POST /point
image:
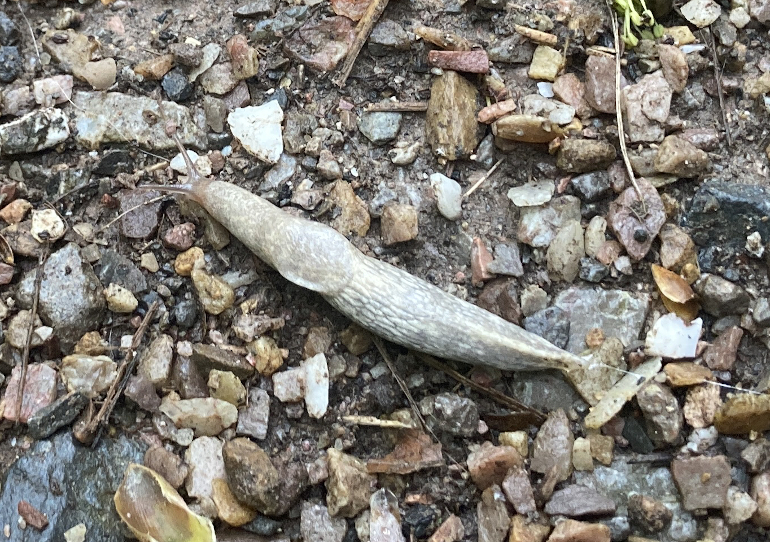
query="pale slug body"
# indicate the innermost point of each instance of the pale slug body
(380, 297)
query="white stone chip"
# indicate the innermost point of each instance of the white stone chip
(672, 338)
(448, 196)
(259, 130)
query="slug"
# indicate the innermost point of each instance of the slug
(382, 298)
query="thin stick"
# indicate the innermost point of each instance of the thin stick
(483, 178)
(30, 330)
(93, 427)
(363, 29)
(401, 384)
(134, 208)
(618, 108)
(492, 393)
(543, 38)
(399, 107)
(718, 79)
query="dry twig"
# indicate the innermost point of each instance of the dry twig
(92, 429)
(492, 393)
(619, 109)
(134, 208)
(718, 79)
(30, 330)
(399, 107)
(363, 29)
(483, 178)
(415, 408)
(543, 38)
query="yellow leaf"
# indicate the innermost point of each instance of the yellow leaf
(155, 512)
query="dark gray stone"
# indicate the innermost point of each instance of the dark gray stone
(515, 50)
(619, 313)
(62, 412)
(592, 271)
(177, 86)
(634, 433)
(71, 299)
(720, 297)
(724, 213)
(10, 63)
(379, 127)
(70, 485)
(9, 32)
(577, 500)
(120, 270)
(451, 413)
(387, 36)
(591, 186)
(185, 313)
(552, 324)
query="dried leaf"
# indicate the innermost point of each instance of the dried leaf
(155, 512)
(414, 451)
(672, 285)
(6, 254)
(676, 293)
(686, 311)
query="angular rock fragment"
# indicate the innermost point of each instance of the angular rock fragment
(452, 129)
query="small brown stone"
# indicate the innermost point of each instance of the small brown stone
(602, 447)
(600, 83)
(480, 259)
(676, 248)
(577, 500)
(14, 212)
(474, 61)
(522, 530)
(570, 530)
(356, 339)
(584, 155)
(180, 237)
(398, 223)
(6, 273)
(32, 515)
(686, 374)
(701, 405)
(39, 391)
(318, 341)
(518, 490)
(720, 356)
(245, 58)
(452, 129)
(155, 68)
(354, 216)
(702, 481)
(647, 514)
(743, 413)
(489, 464)
(553, 446)
(674, 65)
(169, 465)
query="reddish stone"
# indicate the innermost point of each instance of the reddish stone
(32, 515)
(180, 237)
(489, 464)
(480, 259)
(475, 61)
(702, 481)
(39, 391)
(6, 273)
(720, 356)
